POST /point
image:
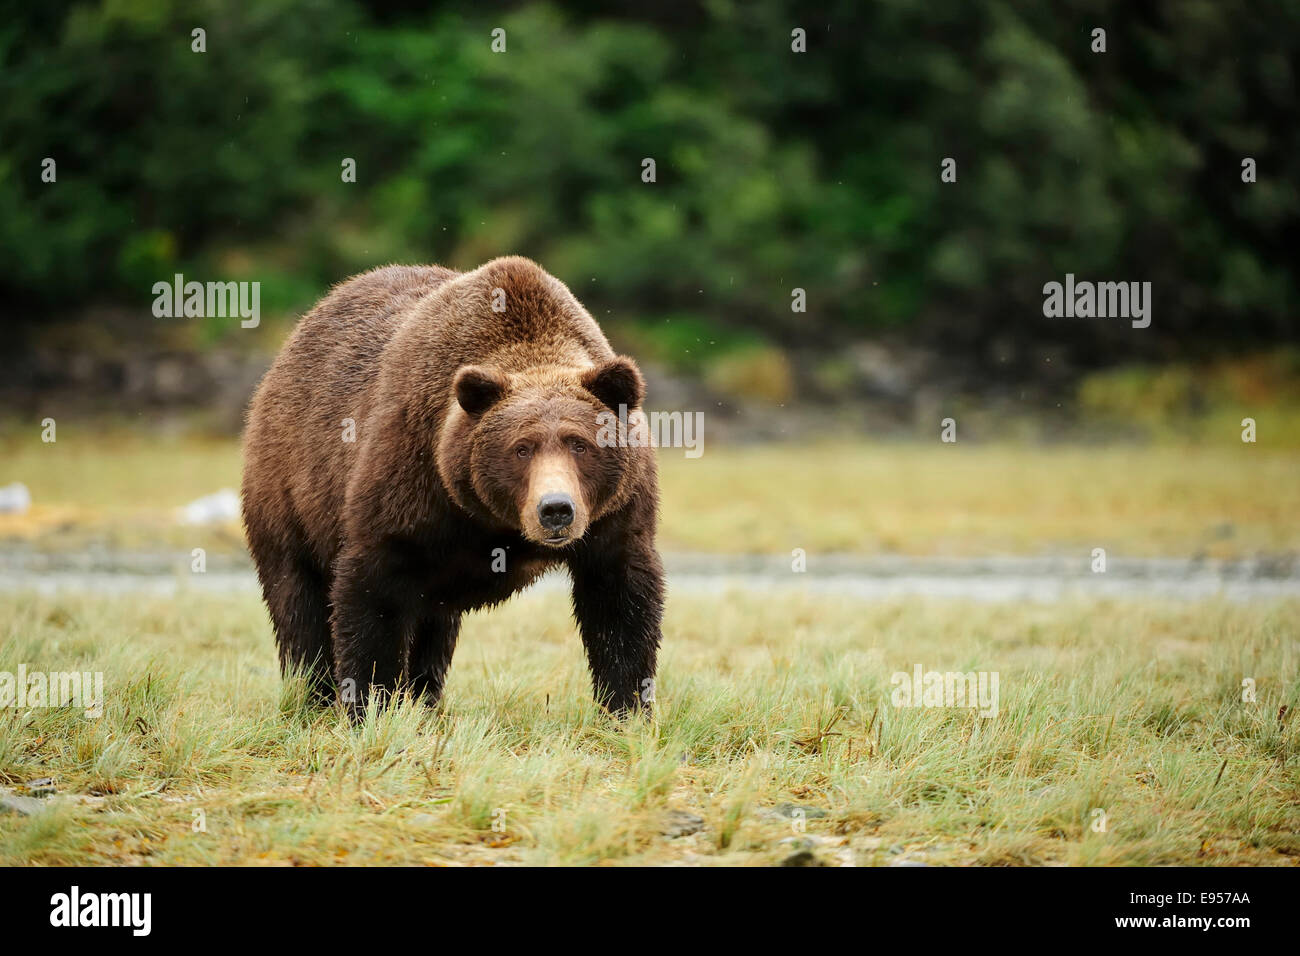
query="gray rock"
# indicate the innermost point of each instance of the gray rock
(40, 787)
(790, 811)
(25, 806)
(679, 823)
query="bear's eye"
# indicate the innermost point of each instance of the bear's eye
(523, 451)
(578, 447)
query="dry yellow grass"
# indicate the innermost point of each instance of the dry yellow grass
(123, 489)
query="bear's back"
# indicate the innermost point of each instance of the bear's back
(315, 397)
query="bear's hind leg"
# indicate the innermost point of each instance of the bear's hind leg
(296, 596)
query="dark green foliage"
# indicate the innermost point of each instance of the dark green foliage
(775, 170)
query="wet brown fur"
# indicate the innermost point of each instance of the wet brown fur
(370, 551)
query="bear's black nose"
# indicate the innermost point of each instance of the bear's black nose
(555, 512)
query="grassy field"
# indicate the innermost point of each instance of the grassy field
(774, 729)
(121, 489)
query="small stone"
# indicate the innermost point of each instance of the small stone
(40, 787)
(802, 858)
(791, 810)
(679, 823)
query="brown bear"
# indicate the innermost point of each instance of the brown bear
(429, 442)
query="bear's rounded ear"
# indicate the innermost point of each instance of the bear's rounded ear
(477, 388)
(616, 382)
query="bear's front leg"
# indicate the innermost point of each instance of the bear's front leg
(618, 600)
(372, 612)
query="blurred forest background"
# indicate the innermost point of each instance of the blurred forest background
(775, 170)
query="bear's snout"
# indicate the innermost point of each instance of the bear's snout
(555, 512)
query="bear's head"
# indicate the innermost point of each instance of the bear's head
(532, 450)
